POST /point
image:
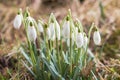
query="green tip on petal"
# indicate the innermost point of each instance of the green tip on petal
(96, 28)
(27, 12)
(31, 24)
(67, 18)
(52, 21)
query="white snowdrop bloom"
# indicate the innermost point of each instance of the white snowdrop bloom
(85, 41)
(52, 31)
(68, 40)
(58, 30)
(96, 37)
(40, 27)
(17, 21)
(32, 33)
(48, 33)
(66, 29)
(79, 40)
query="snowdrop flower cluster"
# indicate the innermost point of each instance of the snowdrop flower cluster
(51, 45)
(67, 31)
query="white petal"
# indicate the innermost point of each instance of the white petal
(52, 30)
(85, 41)
(79, 40)
(76, 32)
(58, 30)
(17, 22)
(32, 33)
(96, 37)
(40, 27)
(68, 40)
(66, 29)
(48, 33)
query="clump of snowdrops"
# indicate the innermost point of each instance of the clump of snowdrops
(57, 51)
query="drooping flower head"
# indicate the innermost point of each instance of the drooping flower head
(57, 30)
(66, 28)
(79, 40)
(32, 35)
(18, 20)
(54, 27)
(96, 37)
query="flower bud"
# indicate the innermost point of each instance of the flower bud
(66, 29)
(96, 37)
(32, 33)
(79, 40)
(40, 27)
(17, 21)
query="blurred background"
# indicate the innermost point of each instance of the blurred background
(104, 13)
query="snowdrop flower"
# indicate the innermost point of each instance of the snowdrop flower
(57, 30)
(79, 40)
(66, 29)
(52, 30)
(54, 27)
(96, 37)
(40, 27)
(18, 20)
(32, 32)
(68, 40)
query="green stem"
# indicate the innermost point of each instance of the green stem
(69, 14)
(47, 46)
(58, 54)
(29, 43)
(78, 55)
(71, 48)
(89, 35)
